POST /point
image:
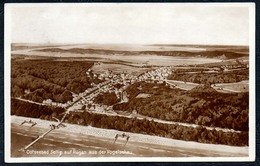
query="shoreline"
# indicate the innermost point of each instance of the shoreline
(135, 137)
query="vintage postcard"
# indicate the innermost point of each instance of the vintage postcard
(129, 82)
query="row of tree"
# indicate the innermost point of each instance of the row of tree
(174, 131)
(135, 125)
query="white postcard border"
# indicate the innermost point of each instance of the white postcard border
(7, 117)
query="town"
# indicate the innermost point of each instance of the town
(85, 101)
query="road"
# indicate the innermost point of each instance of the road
(142, 117)
(96, 91)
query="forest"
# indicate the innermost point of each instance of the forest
(106, 98)
(38, 80)
(21, 108)
(174, 131)
(201, 105)
(210, 78)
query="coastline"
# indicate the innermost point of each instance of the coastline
(138, 138)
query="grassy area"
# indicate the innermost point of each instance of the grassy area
(183, 85)
(118, 68)
(242, 86)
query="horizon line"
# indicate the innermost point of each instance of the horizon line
(145, 44)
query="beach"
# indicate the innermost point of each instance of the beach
(86, 141)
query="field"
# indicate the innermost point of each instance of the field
(182, 85)
(242, 86)
(118, 68)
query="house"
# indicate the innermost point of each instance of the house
(48, 101)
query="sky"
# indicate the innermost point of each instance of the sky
(131, 23)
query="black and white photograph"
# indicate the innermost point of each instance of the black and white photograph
(129, 82)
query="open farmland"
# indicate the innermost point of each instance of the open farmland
(118, 68)
(242, 86)
(182, 85)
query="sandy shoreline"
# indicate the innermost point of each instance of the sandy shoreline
(141, 138)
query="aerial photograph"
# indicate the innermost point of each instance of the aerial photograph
(128, 80)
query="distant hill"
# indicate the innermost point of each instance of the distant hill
(221, 54)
